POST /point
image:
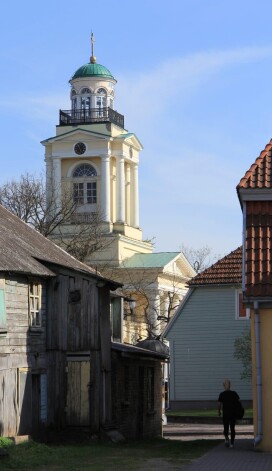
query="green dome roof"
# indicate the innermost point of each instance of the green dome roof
(92, 70)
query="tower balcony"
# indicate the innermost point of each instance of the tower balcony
(90, 116)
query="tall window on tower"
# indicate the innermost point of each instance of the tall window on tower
(84, 186)
(74, 100)
(86, 101)
(101, 101)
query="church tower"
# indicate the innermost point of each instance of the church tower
(96, 159)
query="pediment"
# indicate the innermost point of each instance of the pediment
(180, 266)
(77, 135)
(130, 139)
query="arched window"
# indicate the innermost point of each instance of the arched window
(101, 98)
(85, 101)
(101, 102)
(85, 191)
(85, 170)
(85, 90)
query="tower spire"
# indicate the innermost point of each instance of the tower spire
(92, 58)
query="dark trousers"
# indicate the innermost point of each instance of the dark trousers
(229, 424)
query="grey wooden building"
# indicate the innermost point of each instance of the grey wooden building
(56, 353)
(202, 335)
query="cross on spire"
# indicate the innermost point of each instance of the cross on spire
(92, 58)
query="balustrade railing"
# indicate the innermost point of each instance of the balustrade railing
(88, 116)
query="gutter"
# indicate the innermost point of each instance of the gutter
(259, 435)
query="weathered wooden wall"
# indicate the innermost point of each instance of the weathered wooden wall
(20, 350)
(76, 320)
(131, 408)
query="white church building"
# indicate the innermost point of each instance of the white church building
(96, 159)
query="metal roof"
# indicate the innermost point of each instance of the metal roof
(92, 70)
(150, 260)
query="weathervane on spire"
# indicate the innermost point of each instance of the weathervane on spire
(92, 58)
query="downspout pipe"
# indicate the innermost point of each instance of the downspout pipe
(259, 435)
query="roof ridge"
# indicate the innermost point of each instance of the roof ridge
(259, 173)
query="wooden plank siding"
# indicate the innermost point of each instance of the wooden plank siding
(20, 350)
(72, 326)
(202, 346)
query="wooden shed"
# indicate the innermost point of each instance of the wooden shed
(58, 367)
(55, 339)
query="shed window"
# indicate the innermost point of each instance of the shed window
(34, 304)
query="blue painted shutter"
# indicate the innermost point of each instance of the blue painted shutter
(2, 310)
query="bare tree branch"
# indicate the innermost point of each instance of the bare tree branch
(60, 221)
(200, 258)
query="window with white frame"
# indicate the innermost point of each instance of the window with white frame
(242, 312)
(101, 102)
(85, 188)
(85, 100)
(34, 304)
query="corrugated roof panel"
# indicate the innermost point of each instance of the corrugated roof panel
(150, 260)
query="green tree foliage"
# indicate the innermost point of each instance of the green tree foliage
(242, 352)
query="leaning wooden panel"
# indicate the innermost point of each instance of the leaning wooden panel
(84, 393)
(73, 393)
(8, 403)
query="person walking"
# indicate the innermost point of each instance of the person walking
(227, 402)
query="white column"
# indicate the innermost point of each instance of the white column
(56, 185)
(154, 312)
(120, 210)
(135, 196)
(128, 196)
(49, 182)
(105, 187)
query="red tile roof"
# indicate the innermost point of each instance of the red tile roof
(228, 270)
(258, 253)
(259, 174)
(255, 189)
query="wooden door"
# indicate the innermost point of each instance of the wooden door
(78, 403)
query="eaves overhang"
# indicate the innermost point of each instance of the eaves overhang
(254, 194)
(132, 351)
(234, 284)
(264, 302)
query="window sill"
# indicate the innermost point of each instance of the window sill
(35, 330)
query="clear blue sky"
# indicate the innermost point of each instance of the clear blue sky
(194, 85)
